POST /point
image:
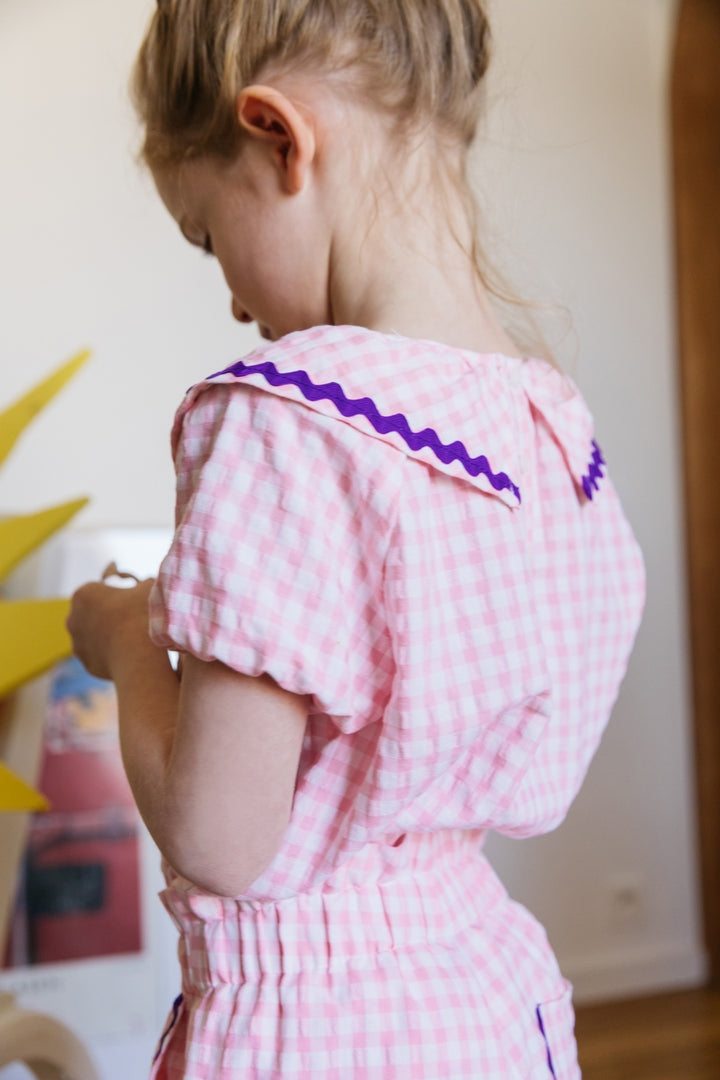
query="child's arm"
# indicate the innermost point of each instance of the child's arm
(212, 759)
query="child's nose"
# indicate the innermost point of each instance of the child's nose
(239, 313)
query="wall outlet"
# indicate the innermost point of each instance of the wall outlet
(627, 899)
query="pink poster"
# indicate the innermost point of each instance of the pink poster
(79, 888)
(89, 942)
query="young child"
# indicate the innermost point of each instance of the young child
(401, 583)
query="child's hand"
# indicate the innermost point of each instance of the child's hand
(105, 622)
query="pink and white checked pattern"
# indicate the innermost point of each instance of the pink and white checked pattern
(463, 653)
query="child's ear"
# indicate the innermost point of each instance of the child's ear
(267, 114)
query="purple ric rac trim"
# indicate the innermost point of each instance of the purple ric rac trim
(547, 1044)
(595, 472)
(398, 423)
(170, 1025)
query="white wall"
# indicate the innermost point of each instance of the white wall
(87, 255)
(578, 163)
(574, 175)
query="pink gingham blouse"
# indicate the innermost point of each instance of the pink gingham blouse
(425, 541)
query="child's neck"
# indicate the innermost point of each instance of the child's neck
(405, 269)
(430, 316)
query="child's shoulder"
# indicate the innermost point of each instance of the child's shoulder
(459, 411)
(354, 358)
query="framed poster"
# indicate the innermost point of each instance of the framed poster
(88, 942)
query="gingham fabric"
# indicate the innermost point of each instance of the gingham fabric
(425, 542)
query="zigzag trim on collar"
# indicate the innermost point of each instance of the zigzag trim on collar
(398, 423)
(590, 482)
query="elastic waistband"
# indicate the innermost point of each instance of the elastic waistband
(225, 942)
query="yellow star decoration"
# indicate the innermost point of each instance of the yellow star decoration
(32, 632)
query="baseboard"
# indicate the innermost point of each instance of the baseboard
(634, 972)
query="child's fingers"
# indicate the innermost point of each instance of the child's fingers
(111, 570)
(104, 618)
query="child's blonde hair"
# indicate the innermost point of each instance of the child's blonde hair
(421, 61)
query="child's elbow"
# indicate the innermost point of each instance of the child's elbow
(229, 886)
(224, 870)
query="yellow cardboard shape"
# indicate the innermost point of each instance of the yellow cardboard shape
(16, 418)
(21, 535)
(32, 638)
(17, 796)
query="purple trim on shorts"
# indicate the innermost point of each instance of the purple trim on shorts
(547, 1044)
(416, 440)
(595, 473)
(169, 1026)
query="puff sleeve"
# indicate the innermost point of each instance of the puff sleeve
(276, 565)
